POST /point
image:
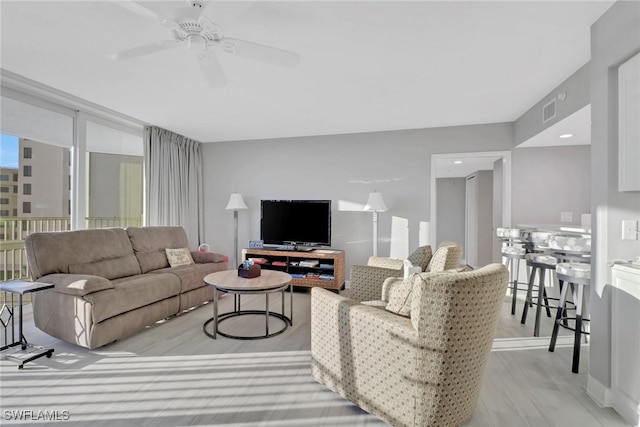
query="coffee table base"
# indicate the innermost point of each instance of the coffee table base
(231, 314)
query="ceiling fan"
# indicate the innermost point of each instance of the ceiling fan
(188, 27)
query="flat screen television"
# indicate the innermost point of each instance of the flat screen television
(296, 222)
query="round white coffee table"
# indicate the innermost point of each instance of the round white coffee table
(267, 283)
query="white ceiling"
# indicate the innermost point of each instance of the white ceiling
(464, 165)
(365, 65)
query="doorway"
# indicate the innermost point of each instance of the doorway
(450, 171)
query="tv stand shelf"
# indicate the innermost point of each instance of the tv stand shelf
(330, 263)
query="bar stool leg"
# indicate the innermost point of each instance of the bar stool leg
(536, 328)
(514, 282)
(544, 294)
(559, 315)
(578, 332)
(525, 310)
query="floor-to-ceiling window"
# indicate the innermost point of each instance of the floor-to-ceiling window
(62, 169)
(36, 143)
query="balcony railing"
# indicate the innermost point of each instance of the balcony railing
(13, 230)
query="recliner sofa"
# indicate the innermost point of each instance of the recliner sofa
(111, 283)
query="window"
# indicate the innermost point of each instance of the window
(27, 152)
(4, 189)
(26, 188)
(120, 195)
(15, 188)
(4, 201)
(4, 177)
(26, 207)
(15, 177)
(26, 170)
(15, 211)
(4, 213)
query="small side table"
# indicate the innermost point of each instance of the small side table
(19, 349)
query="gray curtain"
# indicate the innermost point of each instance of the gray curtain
(173, 177)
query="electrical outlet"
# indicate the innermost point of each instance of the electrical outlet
(566, 216)
(629, 229)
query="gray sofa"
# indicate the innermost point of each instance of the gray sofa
(111, 283)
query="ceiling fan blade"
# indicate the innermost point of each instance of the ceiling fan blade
(259, 52)
(144, 11)
(147, 49)
(211, 69)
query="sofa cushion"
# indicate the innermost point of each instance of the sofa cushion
(108, 268)
(191, 276)
(149, 245)
(77, 284)
(178, 257)
(130, 293)
(104, 252)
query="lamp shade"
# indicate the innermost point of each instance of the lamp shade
(236, 202)
(375, 203)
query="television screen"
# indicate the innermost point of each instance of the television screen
(296, 222)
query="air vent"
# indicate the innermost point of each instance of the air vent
(549, 111)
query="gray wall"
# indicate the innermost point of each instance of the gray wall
(577, 90)
(485, 235)
(549, 180)
(615, 37)
(450, 209)
(498, 196)
(343, 168)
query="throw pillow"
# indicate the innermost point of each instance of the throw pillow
(180, 256)
(400, 297)
(410, 269)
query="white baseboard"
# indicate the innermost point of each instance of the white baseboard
(605, 396)
(598, 392)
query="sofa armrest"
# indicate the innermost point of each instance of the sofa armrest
(76, 284)
(207, 257)
(366, 281)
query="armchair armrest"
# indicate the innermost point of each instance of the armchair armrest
(206, 257)
(354, 348)
(366, 281)
(378, 261)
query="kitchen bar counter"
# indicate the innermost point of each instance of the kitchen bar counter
(559, 228)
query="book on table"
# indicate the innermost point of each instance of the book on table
(309, 263)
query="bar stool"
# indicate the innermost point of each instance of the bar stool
(513, 250)
(539, 262)
(578, 275)
(576, 272)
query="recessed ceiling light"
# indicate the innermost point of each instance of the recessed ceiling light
(457, 162)
(566, 135)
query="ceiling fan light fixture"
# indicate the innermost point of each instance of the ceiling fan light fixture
(195, 40)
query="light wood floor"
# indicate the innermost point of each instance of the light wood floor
(172, 374)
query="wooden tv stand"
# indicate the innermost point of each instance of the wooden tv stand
(331, 262)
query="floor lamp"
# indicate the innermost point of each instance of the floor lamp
(375, 204)
(236, 203)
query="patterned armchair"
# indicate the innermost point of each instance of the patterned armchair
(366, 280)
(425, 369)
